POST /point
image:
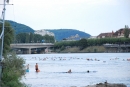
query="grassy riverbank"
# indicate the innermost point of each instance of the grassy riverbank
(91, 49)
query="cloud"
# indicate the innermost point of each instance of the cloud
(60, 2)
(101, 2)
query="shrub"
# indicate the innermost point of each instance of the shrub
(13, 70)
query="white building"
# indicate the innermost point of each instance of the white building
(92, 37)
(44, 32)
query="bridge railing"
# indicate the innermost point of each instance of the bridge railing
(32, 44)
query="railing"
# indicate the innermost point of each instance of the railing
(33, 44)
(116, 45)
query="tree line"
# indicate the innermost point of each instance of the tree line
(83, 43)
(33, 38)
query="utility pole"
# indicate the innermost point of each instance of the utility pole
(2, 39)
(2, 34)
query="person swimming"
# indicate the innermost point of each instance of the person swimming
(69, 71)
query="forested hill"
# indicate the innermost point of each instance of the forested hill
(68, 34)
(20, 28)
(60, 34)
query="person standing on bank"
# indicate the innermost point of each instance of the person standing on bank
(36, 67)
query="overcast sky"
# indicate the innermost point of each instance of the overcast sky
(91, 16)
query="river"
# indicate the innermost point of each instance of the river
(110, 67)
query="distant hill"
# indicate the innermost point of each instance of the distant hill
(60, 34)
(20, 28)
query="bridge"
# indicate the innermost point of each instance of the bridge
(117, 47)
(30, 46)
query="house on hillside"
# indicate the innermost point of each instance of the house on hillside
(104, 35)
(120, 33)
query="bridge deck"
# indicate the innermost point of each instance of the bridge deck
(31, 45)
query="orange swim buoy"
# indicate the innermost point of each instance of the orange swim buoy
(38, 71)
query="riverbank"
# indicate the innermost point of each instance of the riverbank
(90, 49)
(107, 85)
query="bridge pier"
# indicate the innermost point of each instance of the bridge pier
(29, 51)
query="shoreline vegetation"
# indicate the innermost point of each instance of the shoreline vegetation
(90, 49)
(93, 46)
(12, 71)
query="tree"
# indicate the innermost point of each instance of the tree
(83, 43)
(13, 71)
(126, 31)
(33, 38)
(8, 37)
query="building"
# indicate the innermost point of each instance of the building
(72, 38)
(118, 34)
(104, 35)
(92, 37)
(44, 32)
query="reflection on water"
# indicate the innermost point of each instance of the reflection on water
(112, 67)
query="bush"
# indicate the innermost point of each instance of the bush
(13, 70)
(62, 48)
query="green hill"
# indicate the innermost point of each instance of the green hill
(20, 28)
(60, 34)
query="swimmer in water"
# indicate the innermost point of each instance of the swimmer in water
(28, 67)
(36, 67)
(69, 71)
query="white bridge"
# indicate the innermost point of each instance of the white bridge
(30, 46)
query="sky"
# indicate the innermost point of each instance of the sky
(90, 16)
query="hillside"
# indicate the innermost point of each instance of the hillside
(68, 34)
(60, 34)
(20, 28)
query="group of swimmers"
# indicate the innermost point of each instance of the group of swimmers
(61, 58)
(37, 70)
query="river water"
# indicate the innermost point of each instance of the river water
(110, 67)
